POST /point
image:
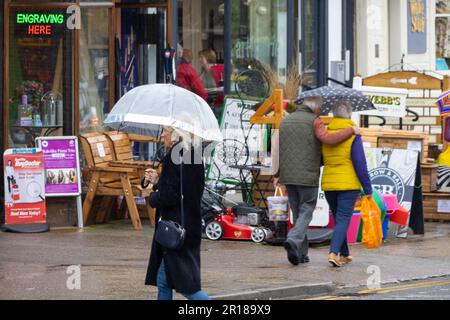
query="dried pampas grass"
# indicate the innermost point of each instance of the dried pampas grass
(292, 86)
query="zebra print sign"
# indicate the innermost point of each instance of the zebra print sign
(443, 179)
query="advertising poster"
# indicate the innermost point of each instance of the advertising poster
(24, 186)
(61, 165)
(243, 143)
(393, 171)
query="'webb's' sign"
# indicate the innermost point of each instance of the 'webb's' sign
(389, 102)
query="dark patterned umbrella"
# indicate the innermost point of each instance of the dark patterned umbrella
(333, 94)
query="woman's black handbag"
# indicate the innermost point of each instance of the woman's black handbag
(170, 234)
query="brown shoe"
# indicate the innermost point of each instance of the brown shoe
(333, 259)
(345, 260)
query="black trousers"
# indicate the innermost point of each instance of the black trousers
(10, 180)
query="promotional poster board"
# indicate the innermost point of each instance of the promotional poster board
(62, 169)
(393, 171)
(236, 133)
(24, 188)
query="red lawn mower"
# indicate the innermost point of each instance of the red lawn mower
(239, 223)
(242, 222)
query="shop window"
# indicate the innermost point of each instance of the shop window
(201, 30)
(259, 30)
(201, 27)
(143, 40)
(309, 44)
(94, 82)
(442, 34)
(39, 75)
(139, 47)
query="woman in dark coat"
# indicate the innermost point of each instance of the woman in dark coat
(180, 269)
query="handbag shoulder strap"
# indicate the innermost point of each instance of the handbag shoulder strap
(181, 193)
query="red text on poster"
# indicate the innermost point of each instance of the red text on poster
(24, 186)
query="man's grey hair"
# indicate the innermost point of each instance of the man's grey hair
(343, 109)
(314, 103)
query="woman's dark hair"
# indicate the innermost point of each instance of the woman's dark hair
(9, 163)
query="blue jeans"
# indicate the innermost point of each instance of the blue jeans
(342, 204)
(166, 293)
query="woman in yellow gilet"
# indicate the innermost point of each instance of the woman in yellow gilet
(345, 170)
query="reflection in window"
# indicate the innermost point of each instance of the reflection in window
(442, 35)
(259, 31)
(201, 27)
(442, 6)
(309, 42)
(94, 69)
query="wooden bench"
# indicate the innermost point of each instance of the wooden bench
(111, 181)
(121, 144)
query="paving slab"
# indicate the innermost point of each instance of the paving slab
(113, 260)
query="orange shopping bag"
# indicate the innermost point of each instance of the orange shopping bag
(372, 229)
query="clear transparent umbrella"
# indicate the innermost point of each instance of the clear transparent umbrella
(145, 109)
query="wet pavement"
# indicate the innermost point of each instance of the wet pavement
(113, 260)
(436, 289)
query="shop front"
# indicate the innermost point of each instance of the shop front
(67, 62)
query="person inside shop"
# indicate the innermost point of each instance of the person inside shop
(212, 74)
(345, 170)
(301, 136)
(10, 175)
(177, 269)
(187, 77)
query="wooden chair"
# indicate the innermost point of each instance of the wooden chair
(123, 156)
(123, 152)
(111, 181)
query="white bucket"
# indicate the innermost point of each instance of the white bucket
(278, 206)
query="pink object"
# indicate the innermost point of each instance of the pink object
(353, 229)
(391, 202)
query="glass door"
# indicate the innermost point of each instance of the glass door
(142, 40)
(142, 34)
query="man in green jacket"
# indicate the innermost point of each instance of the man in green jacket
(301, 136)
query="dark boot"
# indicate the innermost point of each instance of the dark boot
(291, 254)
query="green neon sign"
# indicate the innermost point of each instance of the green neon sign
(51, 18)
